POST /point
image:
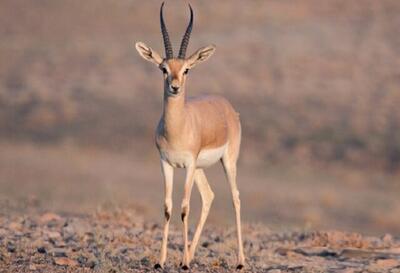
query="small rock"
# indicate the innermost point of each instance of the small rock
(53, 235)
(48, 217)
(82, 260)
(274, 271)
(41, 249)
(30, 224)
(382, 265)
(145, 261)
(91, 263)
(347, 270)
(76, 227)
(58, 252)
(11, 247)
(387, 263)
(3, 232)
(123, 250)
(65, 261)
(74, 246)
(387, 239)
(15, 226)
(223, 263)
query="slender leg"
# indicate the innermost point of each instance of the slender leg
(185, 213)
(168, 173)
(230, 170)
(207, 197)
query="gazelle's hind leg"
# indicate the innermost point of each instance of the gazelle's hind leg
(207, 196)
(229, 162)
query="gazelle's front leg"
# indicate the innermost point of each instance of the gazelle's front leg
(168, 173)
(185, 213)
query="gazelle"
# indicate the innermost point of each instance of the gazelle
(193, 134)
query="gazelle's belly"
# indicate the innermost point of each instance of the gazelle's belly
(208, 157)
(183, 159)
(177, 159)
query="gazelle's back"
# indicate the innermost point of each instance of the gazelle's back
(218, 121)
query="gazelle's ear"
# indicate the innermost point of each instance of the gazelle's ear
(148, 53)
(201, 55)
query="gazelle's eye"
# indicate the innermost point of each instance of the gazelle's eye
(164, 70)
(186, 71)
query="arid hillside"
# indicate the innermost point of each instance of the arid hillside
(313, 81)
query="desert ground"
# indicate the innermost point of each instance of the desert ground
(316, 84)
(121, 241)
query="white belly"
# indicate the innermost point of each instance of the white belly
(177, 159)
(208, 157)
(183, 159)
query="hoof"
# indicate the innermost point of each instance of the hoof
(239, 267)
(157, 266)
(185, 267)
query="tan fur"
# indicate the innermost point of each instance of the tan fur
(201, 123)
(207, 126)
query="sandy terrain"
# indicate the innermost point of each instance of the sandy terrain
(120, 241)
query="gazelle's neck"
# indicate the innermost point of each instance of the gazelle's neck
(173, 113)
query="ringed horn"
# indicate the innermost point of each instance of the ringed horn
(185, 39)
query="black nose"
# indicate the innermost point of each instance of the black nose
(175, 88)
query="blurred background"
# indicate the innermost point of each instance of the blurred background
(316, 84)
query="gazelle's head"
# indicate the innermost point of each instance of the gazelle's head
(175, 69)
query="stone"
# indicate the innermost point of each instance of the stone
(41, 249)
(65, 261)
(11, 247)
(382, 265)
(48, 217)
(58, 252)
(92, 263)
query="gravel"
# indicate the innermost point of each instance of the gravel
(124, 242)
